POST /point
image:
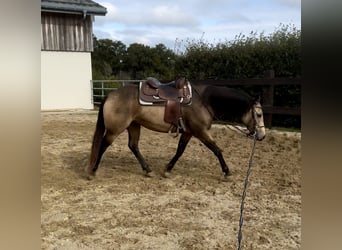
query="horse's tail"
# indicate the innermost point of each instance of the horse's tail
(98, 137)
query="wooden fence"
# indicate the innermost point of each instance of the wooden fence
(267, 84)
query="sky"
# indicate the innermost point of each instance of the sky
(175, 22)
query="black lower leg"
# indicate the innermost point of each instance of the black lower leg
(218, 153)
(140, 158)
(133, 141)
(103, 147)
(183, 142)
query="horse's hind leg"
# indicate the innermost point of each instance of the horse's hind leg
(106, 141)
(133, 141)
(183, 142)
(210, 143)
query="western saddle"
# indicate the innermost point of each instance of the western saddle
(171, 95)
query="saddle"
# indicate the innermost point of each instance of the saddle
(171, 95)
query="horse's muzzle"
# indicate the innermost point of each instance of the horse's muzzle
(261, 138)
(253, 134)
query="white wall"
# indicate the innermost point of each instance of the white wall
(65, 80)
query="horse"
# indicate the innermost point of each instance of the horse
(121, 110)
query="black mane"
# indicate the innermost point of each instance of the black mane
(227, 104)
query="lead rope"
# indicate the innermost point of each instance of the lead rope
(244, 193)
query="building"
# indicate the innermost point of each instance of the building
(66, 46)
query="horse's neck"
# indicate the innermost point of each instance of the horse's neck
(226, 103)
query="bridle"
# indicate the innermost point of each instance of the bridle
(255, 117)
(251, 134)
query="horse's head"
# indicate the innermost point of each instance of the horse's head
(254, 121)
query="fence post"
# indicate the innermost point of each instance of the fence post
(92, 91)
(267, 94)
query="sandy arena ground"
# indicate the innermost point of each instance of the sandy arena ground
(194, 209)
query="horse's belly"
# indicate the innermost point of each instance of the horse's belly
(152, 117)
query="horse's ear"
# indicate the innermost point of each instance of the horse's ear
(257, 99)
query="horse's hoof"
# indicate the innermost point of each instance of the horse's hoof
(167, 174)
(90, 174)
(226, 176)
(228, 173)
(90, 177)
(150, 174)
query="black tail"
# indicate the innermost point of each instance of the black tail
(98, 137)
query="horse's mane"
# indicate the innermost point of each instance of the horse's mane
(226, 103)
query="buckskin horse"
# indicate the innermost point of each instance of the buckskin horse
(122, 110)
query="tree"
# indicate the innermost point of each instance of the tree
(107, 57)
(139, 60)
(163, 60)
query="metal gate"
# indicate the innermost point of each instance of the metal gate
(100, 88)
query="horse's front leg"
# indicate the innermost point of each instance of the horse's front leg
(183, 142)
(133, 141)
(210, 143)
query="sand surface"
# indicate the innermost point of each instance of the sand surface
(194, 209)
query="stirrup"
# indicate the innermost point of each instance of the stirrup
(179, 129)
(181, 125)
(173, 134)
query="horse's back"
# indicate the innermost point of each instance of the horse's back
(120, 106)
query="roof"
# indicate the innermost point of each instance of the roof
(85, 7)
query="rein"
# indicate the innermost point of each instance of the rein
(244, 192)
(252, 135)
(242, 206)
(242, 131)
